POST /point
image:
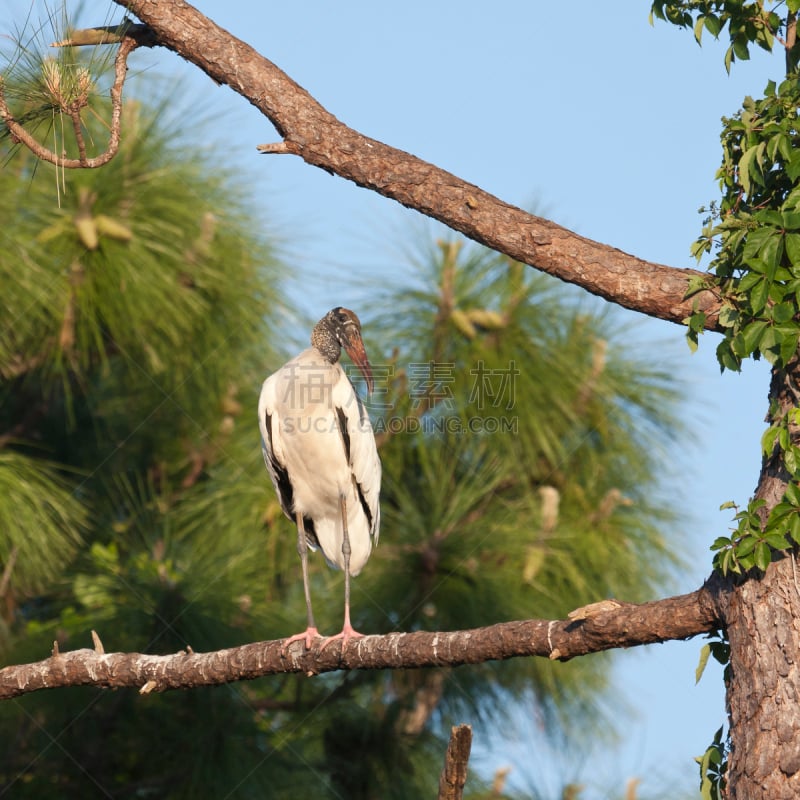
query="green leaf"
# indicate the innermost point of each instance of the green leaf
(740, 48)
(728, 315)
(768, 439)
(785, 147)
(747, 167)
(790, 460)
(750, 279)
(698, 249)
(712, 24)
(766, 217)
(705, 652)
(726, 358)
(765, 39)
(777, 541)
(780, 512)
(763, 556)
(773, 345)
(792, 243)
(791, 219)
(792, 494)
(772, 251)
(789, 345)
(793, 168)
(794, 527)
(706, 784)
(739, 347)
(744, 564)
(782, 312)
(755, 241)
(698, 28)
(758, 295)
(745, 546)
(720, 542)
(696, 324)
(752, 335)
(695, 284)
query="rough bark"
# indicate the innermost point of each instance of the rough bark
(764, 689)
(602, 626)
(762, 619)
(454, 774)
(311, 132)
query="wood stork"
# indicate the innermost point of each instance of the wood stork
(320, 452)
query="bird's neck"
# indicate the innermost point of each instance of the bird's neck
(325, 342)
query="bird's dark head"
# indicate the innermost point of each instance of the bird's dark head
(339, 328)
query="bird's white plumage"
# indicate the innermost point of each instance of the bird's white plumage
(316, 420)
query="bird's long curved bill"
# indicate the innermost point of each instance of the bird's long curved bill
(358, 355)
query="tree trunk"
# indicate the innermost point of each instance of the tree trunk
(764, 689)
(763, 624)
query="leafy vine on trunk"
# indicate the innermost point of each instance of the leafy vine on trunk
(753, 237)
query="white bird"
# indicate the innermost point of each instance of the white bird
(320, 452)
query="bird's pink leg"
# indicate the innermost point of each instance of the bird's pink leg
(348, 632)
(311, 632)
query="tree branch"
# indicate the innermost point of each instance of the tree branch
(454, 774)
(320, 139)
(601, 626)
(73, 109)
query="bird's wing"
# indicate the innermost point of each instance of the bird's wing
(359, 444)
(272, 445)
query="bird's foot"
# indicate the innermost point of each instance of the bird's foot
(308, 636)
(347, 633)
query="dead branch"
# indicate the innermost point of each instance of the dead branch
(73, 110)
(601, 626)
(108, 34)
(5, 578)
(313, 133)
(454, 774)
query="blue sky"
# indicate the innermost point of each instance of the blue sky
(608, 126)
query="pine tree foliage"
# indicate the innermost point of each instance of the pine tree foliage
(41, 521)
(536, 486)
(523, 451)
(137, 310)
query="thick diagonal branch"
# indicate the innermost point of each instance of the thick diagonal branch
(313, 133)
(602, 626)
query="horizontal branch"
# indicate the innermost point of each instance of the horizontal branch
(601, 626)
(320, 139)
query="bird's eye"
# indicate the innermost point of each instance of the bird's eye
(342, 317)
